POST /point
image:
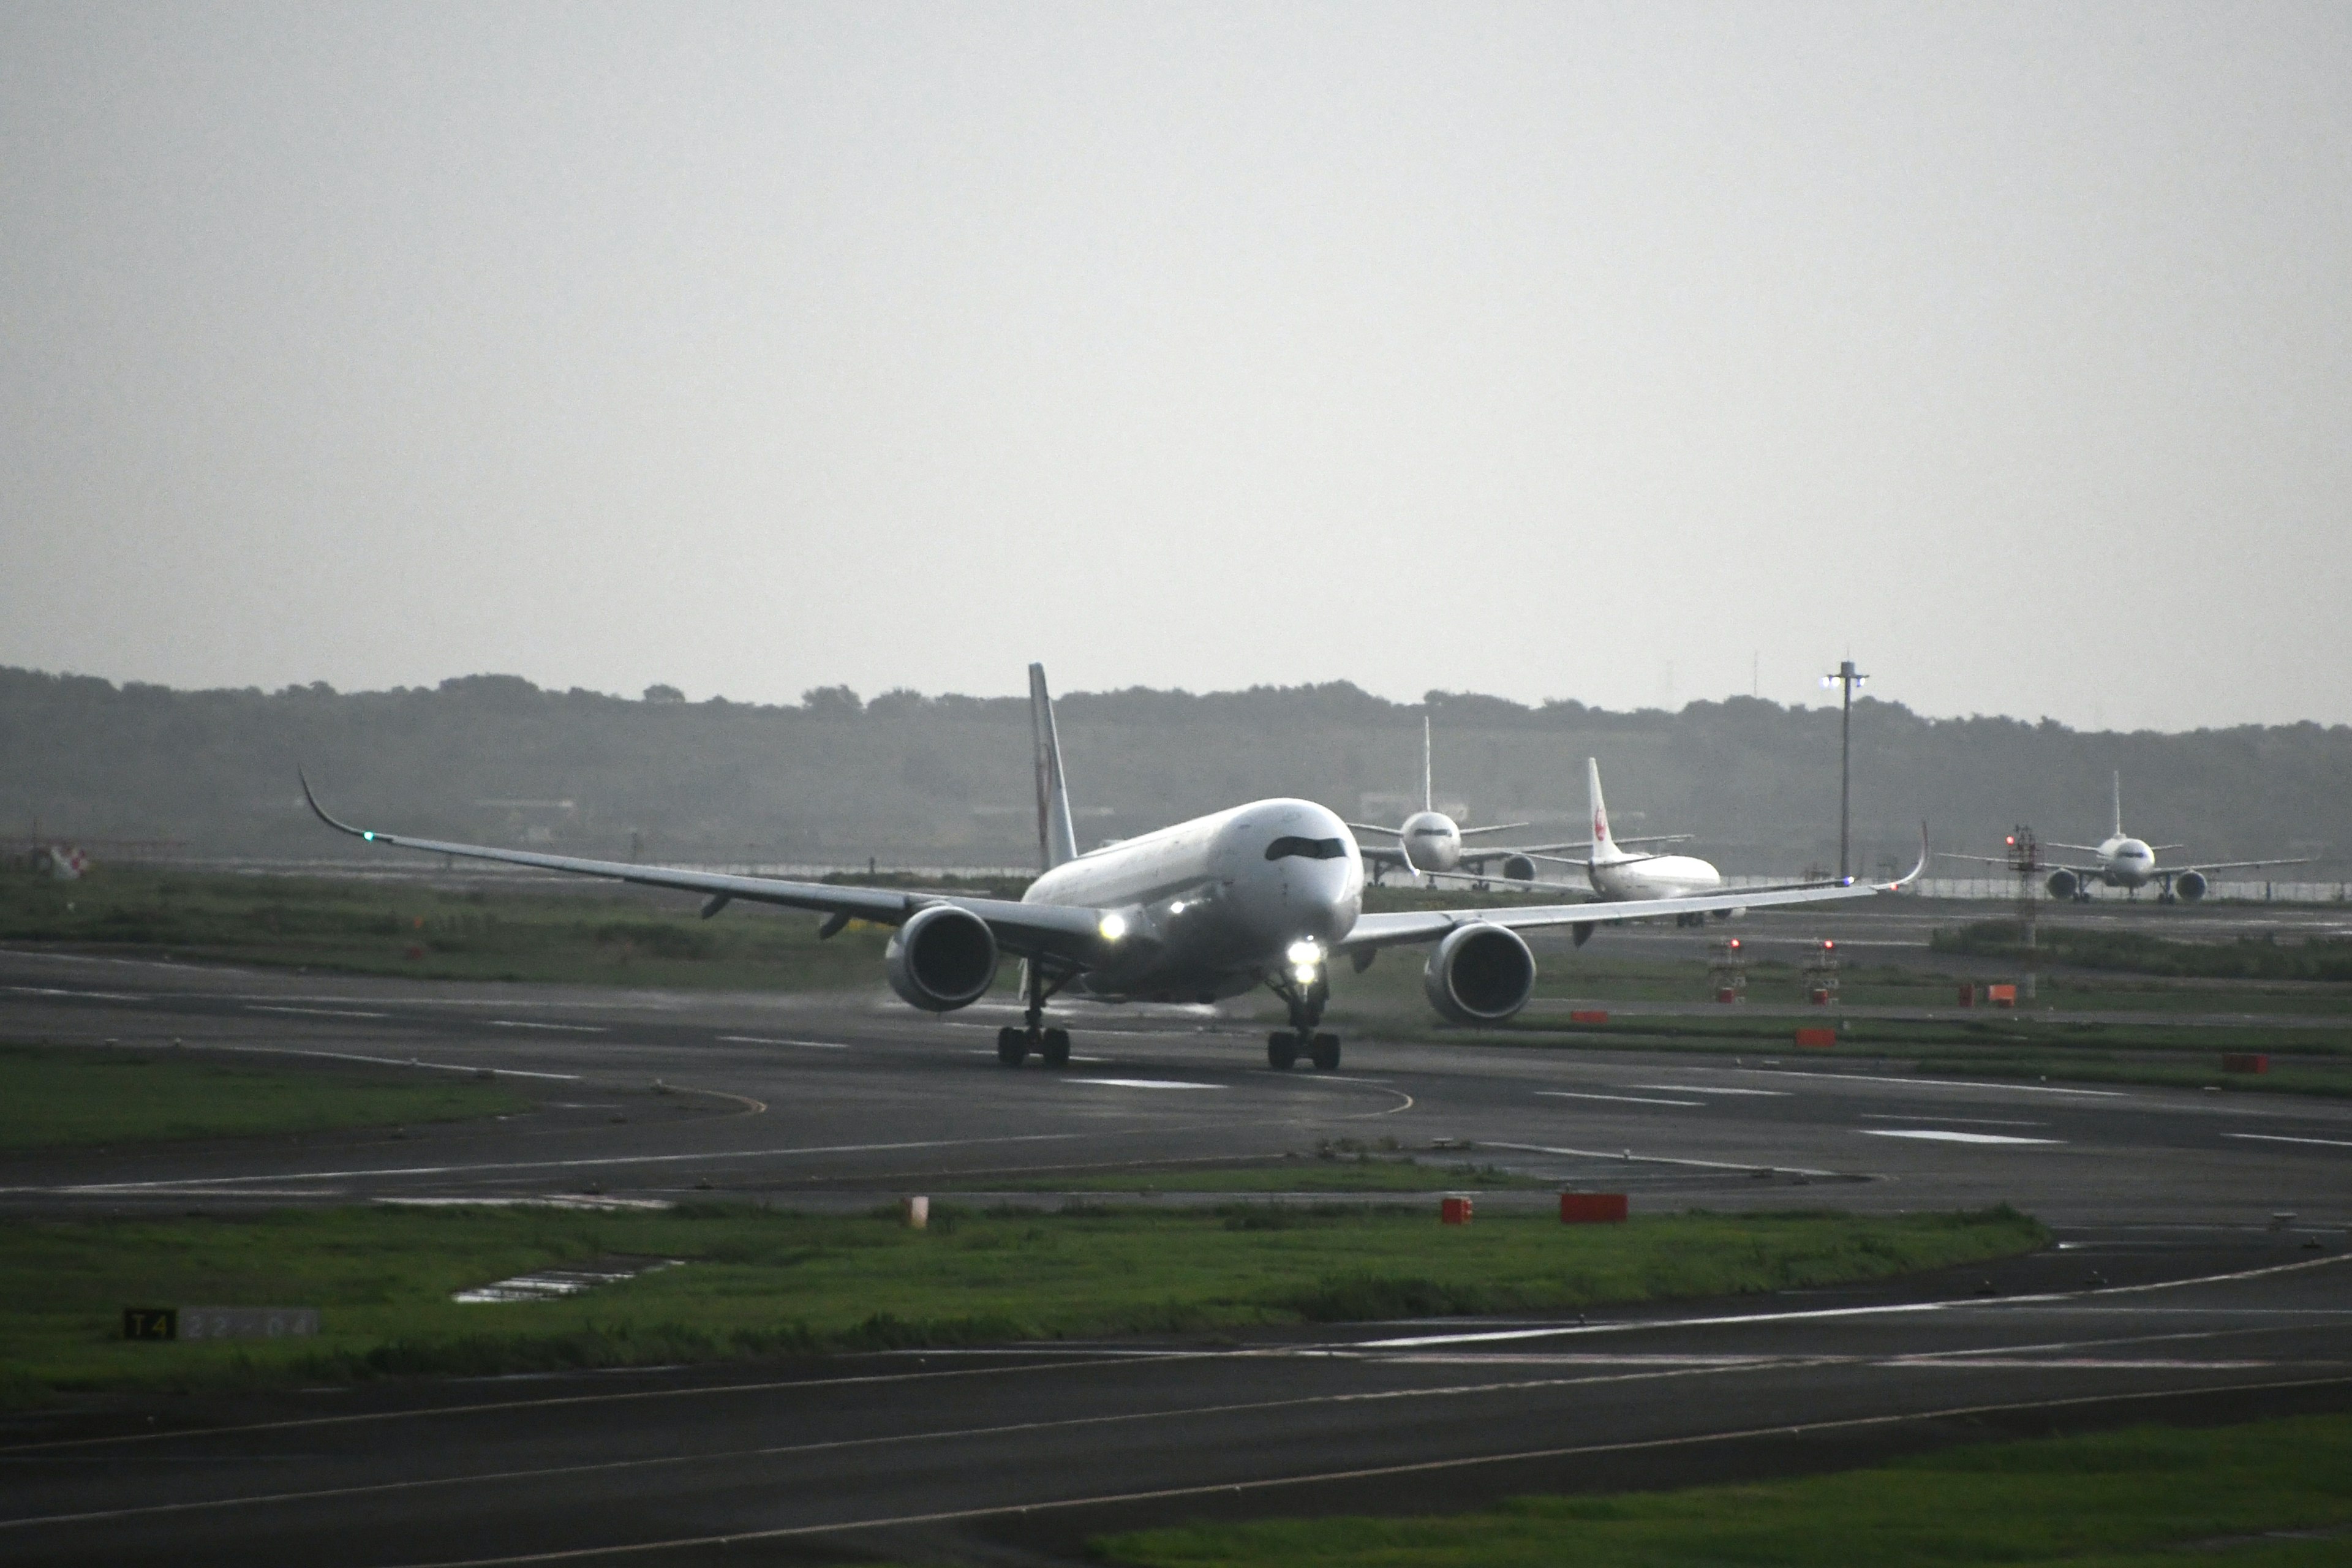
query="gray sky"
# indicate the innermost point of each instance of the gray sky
(1557, 350)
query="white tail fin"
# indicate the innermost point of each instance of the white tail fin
(1057, 840)
(2120, 803)
(1604, 848)
(1428, 772)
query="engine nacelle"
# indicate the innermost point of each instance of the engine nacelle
(2190, 885)
(1481, 974)
(942, 959)
(2064, 884)
(1518, 869)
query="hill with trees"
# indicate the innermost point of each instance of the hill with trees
(921, 780)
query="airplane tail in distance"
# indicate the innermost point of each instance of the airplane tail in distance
(1428, 772)
(1057, 840)
(1604, 848)
(2120, 803)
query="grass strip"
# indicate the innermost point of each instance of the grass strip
(2131, 1499)
(759, 1282)
(52, 1097)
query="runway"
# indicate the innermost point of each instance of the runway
(2201, 1276)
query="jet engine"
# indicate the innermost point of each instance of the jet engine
(942, 959)
(2064, 884)
(1518, 869)
(1481, 974)
(2189, 887)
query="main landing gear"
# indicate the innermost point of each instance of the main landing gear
(1284, 1047)
(1013, 1043)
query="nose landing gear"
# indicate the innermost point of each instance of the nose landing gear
(1284, 1047)
(1013, 1043)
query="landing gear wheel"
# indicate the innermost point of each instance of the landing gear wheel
(1325, 1052)
(1055, 1048)
(1011, 1045)
(1281, 1050)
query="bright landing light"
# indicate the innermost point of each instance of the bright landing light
(1113, 927)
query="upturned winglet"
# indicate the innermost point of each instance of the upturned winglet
(1914, 874)
(336, 822)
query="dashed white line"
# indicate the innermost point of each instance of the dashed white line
(1628, 1157)
(1712, 1088)
(1953, 1083)
(1142, 1083)
(566, 1028)
(1621, 1098)
(762, 1040)
(1947, 1135)
(313, 1012)
(2283, 1138)
(1969, 1121)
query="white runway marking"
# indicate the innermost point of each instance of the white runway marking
(1712, 1088)
(1142, 1083)
(58, 991)
(2283, 1138)
(566, 1028)
(555, 1165)
(395, 1062)
(1946, 1135)
(762, 1040)
(1630, 1158)
(1956, 1083)
(1621, 1098)
(1807, 1315)
(1970, 1120)
(313, 1012)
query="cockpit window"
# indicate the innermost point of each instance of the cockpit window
(1306, 849)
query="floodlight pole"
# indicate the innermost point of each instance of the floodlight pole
(1847, 679)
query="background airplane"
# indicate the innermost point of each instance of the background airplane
(2123, 861)
(1614, 874)
(1264, 894)
(1430, 843)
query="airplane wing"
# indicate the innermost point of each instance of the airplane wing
(2004, 862)
(1428, 925)
(1059, 930)
(1491, 827)
(2240, 865)
(1375, 827)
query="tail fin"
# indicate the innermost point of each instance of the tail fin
(1428, 778)
(2120, 803)
(1604, 850)
(1056, 841)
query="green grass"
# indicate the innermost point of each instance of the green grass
(2242, 958)
(760, 1282)
(54, 1097)
(2132, 1498)
(588, 935)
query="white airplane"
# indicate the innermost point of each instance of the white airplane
(2123, 861)
(1429, 845)
(1617, 873)
(1264, 894)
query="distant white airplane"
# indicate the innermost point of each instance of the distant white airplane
(1617, 875)
(1429, 844)
(1264, 894)
(2123, 861)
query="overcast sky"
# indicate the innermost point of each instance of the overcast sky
(1627, 353)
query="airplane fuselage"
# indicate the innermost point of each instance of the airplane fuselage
(1655, 877)
(1432, 841)
(1206, 908)
(2126, 862)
